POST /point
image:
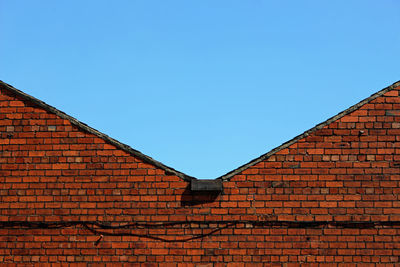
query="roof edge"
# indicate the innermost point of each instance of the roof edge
(236, 171)
(168, 170)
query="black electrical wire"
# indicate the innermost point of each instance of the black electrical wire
(99, 232)
(102, 228)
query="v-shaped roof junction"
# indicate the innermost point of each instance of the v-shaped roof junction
(168, 170)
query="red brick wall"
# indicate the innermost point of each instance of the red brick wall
(330, 196)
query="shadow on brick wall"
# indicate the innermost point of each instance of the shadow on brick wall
(193, 198)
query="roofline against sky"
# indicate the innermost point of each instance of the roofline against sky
(168, 170)
(171, 171)
(308, 132)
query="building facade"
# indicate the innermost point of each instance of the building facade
(71, 195)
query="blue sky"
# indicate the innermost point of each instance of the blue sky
(202, 86)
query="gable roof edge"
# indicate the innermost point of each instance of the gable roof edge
(229, 175)
(168, 170)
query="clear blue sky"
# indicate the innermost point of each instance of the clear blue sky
(202, 86)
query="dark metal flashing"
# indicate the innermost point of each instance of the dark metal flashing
(232, 173)
(85, 127)
(206, 185)
(195, 183)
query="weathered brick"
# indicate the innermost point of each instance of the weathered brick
(305, 203)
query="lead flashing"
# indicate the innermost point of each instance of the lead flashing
(206, 185)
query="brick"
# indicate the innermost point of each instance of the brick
(318, 151)
(347, 171)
